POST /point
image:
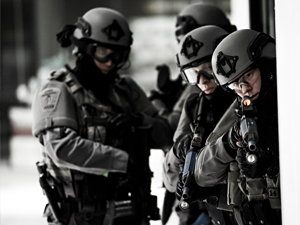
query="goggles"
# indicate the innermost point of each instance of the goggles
(192, 76)
(248, 78)
(102, 54)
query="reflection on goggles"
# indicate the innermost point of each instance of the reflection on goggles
(192, 76)
(248, 78)
(100, 54)
(237, 85)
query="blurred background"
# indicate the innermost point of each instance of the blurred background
(29, 51)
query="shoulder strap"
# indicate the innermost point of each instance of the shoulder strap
(224, 123)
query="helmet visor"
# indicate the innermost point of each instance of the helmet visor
(192, 76)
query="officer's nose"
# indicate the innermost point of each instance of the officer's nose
(245, 88)
(203, 80)
(109, 62)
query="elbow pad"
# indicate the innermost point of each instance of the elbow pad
(53, 106)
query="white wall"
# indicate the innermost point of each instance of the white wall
(240, 14)
(288, 49)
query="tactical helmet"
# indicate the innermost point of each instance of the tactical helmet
(197, 47)
(104, 27)
(199, 14)
(238, 51)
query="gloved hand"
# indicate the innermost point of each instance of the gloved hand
(234, 138)
(257, 169)
(123, 124)
(246, 169)
(158, 100)
(182, 146)
(163, 78)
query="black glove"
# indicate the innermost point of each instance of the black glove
(158, 100)
(257, 169)
(163, 79)
(234, 135)
(182, 146)
(246, 169)
(123, 124)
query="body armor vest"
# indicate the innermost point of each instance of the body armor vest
(93, 118)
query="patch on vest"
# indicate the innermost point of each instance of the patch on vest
(49, 98)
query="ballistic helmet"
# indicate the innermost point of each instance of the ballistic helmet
(104, 26)
(99, 27)
(199, 14)
(238, 51)
(197, 47)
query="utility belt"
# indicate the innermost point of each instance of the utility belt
(252, 201)
(113, 196)
(241, 189)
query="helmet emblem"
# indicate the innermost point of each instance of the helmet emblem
(84, 26)
(226, 64)
(114, 31)
(190, 47)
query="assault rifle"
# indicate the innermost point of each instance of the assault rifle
(249, 129)
(190, 159)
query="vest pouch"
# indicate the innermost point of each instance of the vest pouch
(274, 193)
(90, 187)
(96, 117)
(244, 214)
(120, 212)
(255, 189)
(234, 193)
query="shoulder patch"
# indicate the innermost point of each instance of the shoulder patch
(49, 98)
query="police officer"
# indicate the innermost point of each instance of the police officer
(94, 125)
(243, 149)
(171, 94)
(201, 111)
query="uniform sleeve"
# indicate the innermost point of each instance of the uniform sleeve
(171, 170)
(187, 91)
(69, 150)
(55, 122)
(212, 164)
(186, 117)
(53, 106)
(161, 135)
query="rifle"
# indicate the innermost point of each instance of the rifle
(190, 159)
(249, 129)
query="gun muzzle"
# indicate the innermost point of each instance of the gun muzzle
(252, 145)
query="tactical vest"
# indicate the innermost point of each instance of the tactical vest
(92, 118)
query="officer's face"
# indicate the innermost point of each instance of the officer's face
(207, 85)
(105, 60)
(247, 83)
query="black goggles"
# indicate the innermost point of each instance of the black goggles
(94, 50)
(192, 76)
